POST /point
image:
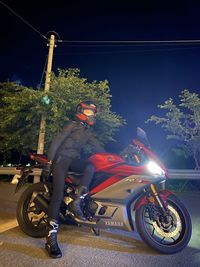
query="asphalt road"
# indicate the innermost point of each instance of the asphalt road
(81, 248)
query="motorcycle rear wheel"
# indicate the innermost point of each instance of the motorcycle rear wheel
(31, 220)
(167, 238)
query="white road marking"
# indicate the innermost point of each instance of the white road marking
(8, 225)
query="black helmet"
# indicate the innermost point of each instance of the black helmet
(86, 112)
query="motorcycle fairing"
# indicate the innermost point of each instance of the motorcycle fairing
(116, 216)
(104, 161)
(109, 181)
(151, 155)
(115, 166)
(120, 191)
(116, 199)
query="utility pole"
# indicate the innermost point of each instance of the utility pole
(40, 149)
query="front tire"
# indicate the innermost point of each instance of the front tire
(166, 237)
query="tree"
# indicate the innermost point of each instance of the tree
(182, 122)
(21, 109)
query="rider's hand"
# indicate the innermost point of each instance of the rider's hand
(47, 169)
(48, 166)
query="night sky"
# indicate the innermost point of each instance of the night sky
(140, 76)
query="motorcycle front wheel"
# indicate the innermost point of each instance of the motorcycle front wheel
(169, 234)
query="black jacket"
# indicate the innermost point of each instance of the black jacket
(70, 141)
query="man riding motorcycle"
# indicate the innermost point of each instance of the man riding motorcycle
(125, 196)
(64, 153)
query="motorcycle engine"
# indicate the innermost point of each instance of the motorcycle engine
(69, 193)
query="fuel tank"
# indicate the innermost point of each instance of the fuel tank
(105, 161)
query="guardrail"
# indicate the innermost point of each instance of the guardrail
(173, 173)
(16, 170)
(184, 174)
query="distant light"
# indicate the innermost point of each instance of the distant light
(46, 100)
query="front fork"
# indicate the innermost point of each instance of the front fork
(154, 197)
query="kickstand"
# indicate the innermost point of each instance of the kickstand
(95, 231)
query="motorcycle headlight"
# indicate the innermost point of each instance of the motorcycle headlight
(155, 169)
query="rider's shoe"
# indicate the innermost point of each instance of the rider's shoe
(51, 240)
(77, 203)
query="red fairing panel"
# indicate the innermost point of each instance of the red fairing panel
(114, 164)
(104, 161)
(105, 184)
(127, 170)
(152, 155)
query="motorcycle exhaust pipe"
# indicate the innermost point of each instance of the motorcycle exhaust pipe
(41, 202)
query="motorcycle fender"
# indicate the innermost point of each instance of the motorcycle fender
(163, 194)
(23, 180)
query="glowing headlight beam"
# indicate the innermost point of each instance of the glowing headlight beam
(155, 168)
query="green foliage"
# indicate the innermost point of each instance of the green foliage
(21, 109)
(182, 122)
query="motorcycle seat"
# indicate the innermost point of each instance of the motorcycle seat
(70, 173)
(73, 178)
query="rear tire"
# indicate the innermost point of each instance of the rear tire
(165, 238)
(31, 220)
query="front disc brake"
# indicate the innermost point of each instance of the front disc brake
(172, 231)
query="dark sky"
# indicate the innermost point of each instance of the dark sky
(140, 76)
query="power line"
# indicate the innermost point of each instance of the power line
(126, 51)
(125, 42)
(31, 26)
(108, 42)
(71, 45)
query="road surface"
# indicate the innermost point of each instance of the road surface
(81, 248)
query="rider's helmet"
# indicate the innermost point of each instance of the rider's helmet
(86, 112)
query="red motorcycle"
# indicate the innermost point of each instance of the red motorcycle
(127, 193)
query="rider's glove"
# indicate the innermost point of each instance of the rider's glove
(47, 169)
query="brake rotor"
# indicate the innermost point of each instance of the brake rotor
(163, 232)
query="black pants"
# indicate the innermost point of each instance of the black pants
(60, 169)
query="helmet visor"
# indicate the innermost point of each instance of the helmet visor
(89, 112)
